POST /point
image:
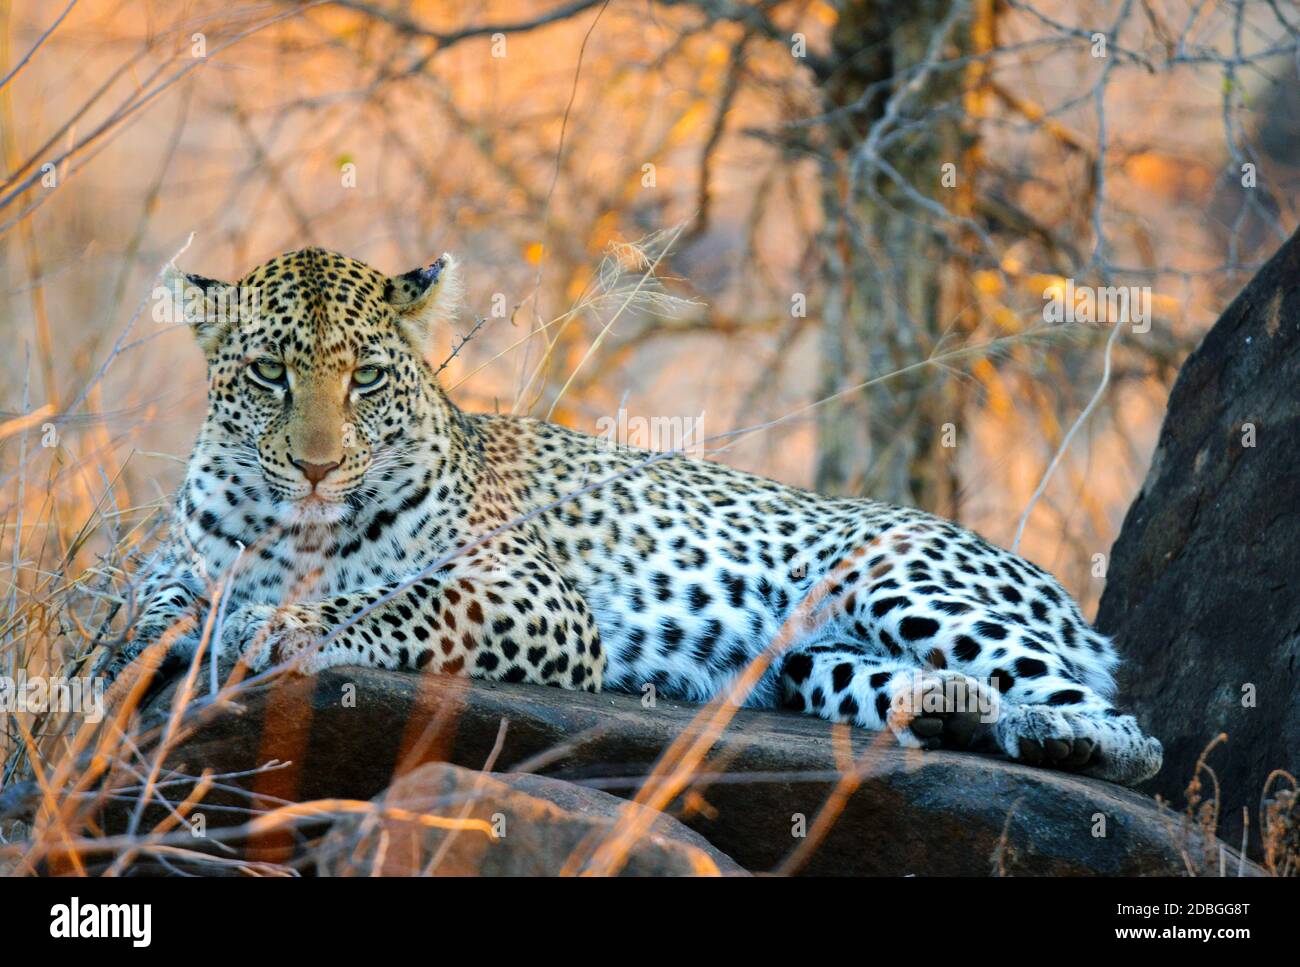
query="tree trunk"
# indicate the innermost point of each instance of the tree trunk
(886, 291)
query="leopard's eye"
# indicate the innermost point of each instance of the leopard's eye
(368, 377)
(268, 371)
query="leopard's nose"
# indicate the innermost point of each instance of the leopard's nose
(314, 472)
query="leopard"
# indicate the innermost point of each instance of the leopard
(338, 508)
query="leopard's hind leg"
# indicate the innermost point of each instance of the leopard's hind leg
(929, 599)
(1025, 639)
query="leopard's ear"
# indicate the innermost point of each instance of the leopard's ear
(206, 305)
(423, 298)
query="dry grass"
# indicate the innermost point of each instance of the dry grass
(1194, 829)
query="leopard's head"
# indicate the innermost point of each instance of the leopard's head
(317, 376)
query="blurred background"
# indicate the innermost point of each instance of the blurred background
(856, 210)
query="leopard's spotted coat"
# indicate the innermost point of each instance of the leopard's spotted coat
(332, 469)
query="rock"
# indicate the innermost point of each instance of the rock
(757, 796)
(1202, 590)
(546, 826)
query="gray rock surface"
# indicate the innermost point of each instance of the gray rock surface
(535, 826)
(765, 780)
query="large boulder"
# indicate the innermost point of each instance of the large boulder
(524, 825)
(775, 790)
(1203, 588)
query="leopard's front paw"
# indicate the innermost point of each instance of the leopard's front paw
(1095, 742)
(266, 636)
(1045, 735)
(931, 709)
